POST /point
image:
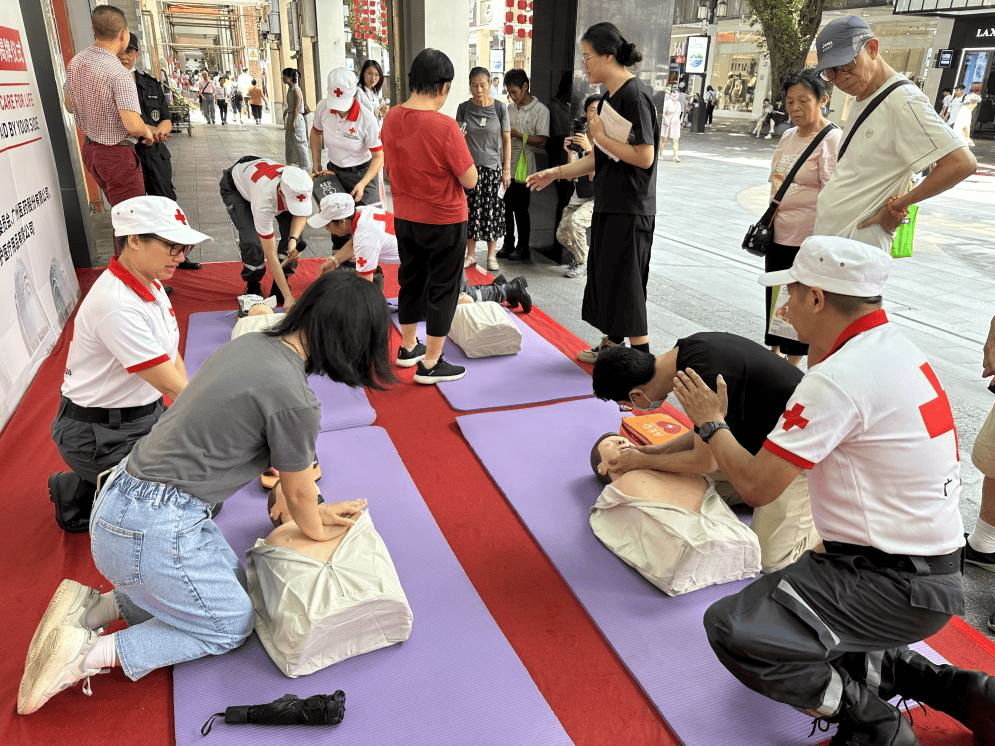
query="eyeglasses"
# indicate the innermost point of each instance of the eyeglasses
(175, 249)
(642, 402)
(831, 72)
(586, 57)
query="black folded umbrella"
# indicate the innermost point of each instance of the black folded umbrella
(321, 709)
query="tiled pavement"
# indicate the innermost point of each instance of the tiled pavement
(943, 297)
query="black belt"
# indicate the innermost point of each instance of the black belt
(941, 564)
(122, 144)
(104, 416)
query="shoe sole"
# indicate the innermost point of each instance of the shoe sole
(68, 597)
(429, 380)
(990, 566)
(54, 655)
(409, 362)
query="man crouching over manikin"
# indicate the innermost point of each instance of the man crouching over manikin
(688, 538)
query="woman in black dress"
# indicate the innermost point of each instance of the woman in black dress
(624, 166)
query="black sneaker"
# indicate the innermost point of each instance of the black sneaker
(439, 373)
(984, 560)
(499, 280)
(253, 287)
(406, 359)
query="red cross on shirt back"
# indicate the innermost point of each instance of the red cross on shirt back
(269, 170)
(793, 418)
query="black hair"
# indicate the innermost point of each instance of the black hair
(807, 78)
(605, 38)
(107, 22)
(480, 71)
(253, 81)
(345, 325)
(946, 90)
(590, 100)
(620, 369)
(516, 77)
(848, 305)
(430, 71)
(362, 72)
(291, 72)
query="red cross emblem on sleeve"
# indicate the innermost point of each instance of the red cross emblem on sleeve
(338, 93)
(269, 170)
(180, 216)
(793, 418)
(361, 262)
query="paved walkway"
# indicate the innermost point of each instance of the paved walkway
(700, 278)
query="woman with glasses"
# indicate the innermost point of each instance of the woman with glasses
(626, 135)
(176, 580)
(124, 354)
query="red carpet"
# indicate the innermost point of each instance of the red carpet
(586, 685)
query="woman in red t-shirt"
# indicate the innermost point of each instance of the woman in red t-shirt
(429, 164)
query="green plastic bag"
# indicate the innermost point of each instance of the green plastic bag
(902, 245)
(522, 168)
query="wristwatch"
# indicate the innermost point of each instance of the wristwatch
(706, 431)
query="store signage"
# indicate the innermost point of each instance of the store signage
(985, 33)
(697, 55)
(945, 58)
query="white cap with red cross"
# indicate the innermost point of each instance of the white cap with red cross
(296, 186)
(160, 216)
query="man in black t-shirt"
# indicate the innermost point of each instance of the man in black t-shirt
(759, 384)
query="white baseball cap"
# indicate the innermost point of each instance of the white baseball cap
(837, 265)
(158, 215)
(333, 207)
(296, 185)
(341, 89)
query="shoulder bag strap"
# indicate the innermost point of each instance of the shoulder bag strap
(776, 201)
(870, 107)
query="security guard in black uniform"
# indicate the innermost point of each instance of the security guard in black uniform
(155, 158)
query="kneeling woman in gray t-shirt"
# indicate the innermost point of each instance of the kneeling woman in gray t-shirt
(175, 577)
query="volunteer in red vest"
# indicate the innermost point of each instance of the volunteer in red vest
(262, 195)
(872, 426)
(351, 135)
(124, 354)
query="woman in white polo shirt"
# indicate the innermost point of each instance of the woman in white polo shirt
(124, 354)
(351, 135)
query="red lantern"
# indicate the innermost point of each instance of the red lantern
(509, 16)
(521, 33)
(530, 20)
(530, 33)
(508, 29)
(510, 3)
(521, 18)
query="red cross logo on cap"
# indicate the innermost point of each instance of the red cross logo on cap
(301, 198)
(793, 418)
(338, 93)
(180, 216)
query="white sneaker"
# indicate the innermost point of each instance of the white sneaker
(68, 607)
(60, 664)
(575, 270)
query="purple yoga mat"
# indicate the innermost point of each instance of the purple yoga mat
(341, 407)
(538, 373)
(455, 680)
(659, 638)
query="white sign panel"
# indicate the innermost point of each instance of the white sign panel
(38, 287)
(697, 55)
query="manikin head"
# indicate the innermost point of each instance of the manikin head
(606, 448)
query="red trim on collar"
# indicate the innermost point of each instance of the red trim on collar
(120, 272)
(353, 114)
(863, 324)
(355, 220)
(281, 206)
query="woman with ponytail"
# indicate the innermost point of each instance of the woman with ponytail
(624, 167)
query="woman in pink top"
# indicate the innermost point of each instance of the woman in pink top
(794, 221)
(429, 165)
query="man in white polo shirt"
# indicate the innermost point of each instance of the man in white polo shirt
(261, 195)
(868, 195)
(124, 354)
(871, 423)
(351, 136)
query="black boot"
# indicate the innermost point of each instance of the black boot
(73, 498)
(505, 251)
(967, 696)
(253, 287)
(499, 280)
(867, 720)
(515, 293)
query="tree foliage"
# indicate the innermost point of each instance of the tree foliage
(787, 28)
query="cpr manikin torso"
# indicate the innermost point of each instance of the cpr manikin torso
(674, 529)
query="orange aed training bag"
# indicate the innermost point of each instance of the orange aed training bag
(649, 429)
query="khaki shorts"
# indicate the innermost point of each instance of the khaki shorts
(983, 453)
(784, 527)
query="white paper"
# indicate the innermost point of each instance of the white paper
(617, 127)
(779, 324)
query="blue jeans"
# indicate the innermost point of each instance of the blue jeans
(177, 583)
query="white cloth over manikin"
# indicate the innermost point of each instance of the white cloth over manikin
(484, 330)
(676, 549)
(311, 614)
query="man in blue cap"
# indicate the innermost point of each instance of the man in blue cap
(868, 195)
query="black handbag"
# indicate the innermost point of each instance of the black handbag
(760, 235)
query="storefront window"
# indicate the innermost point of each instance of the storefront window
(735, 79)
